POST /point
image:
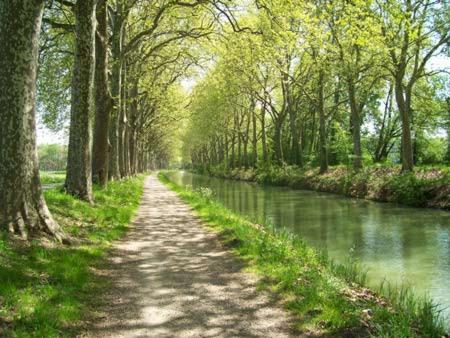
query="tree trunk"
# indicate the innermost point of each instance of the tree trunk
(116, 85)
(277, 143)
(254, 138)
(382, 140)
(233, 151)
(355, 117)
(448, 130)
(22, 205)
(133, 123)
(79, 163)
(263, 134)
(103, 98)
(404, 107)
(323, 154)
(246, 140)
(239, 157)
(295, 145)
(123, 124)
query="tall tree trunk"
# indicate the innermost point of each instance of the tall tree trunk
(22, 206)
(263, 134)
(239, 139)
(254, 137)
(233, 150)
(103, 98)
(227, 150)
(79, 162)
(404, 107)
(246, 140)
(133, 123)
(123, 124)
(355, 117)
(295, 145)
(323, 154)
(116, 85)
(277, 143)
(448, 130)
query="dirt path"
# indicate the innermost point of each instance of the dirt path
(173, 279)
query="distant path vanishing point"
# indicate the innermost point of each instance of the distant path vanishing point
(172, 278)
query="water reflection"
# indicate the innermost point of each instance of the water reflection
(402, 245)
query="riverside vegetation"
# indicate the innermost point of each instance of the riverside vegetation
(326, 297)
(426, 187)
(47, 288)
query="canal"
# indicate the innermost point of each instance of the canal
(398, 244)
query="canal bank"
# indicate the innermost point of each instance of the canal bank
(325, 296)
(425, 188)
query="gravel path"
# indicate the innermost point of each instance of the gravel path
(172, 278)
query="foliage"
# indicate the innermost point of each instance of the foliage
(46, 289)
(52, 157)
(262, 97)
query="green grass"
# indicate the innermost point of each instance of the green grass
(46, 290)
(327, 298)
(52, 177)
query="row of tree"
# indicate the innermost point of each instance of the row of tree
(324, 82)
(110, 70)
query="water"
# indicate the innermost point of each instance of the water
(399, 244)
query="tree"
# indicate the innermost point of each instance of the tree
(22, 203)
(79, 164)
(103, 99)
(414, 31)
(360, 52)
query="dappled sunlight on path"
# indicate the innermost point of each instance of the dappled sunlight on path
(172, 278)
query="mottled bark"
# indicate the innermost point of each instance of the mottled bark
(79, 162)
(103, 100)
(123, 121)
(132, 141)
(116, 85)
(22, 206)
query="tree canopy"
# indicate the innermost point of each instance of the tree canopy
(144, 84)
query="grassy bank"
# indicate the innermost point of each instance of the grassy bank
(426, 187)
(327, 298)
(46, 289)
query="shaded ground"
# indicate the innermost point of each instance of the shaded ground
(172, 278)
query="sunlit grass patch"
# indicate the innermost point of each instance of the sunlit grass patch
(52, 177)
(327, 298)
(46, 289)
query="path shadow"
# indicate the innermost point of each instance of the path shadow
(174, 279)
